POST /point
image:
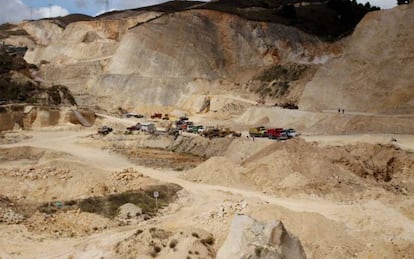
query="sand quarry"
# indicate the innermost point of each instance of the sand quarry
(67, 192)
(342, 189)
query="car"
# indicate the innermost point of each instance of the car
(131, 115)
(200, 130)
(291, 133)
(196, 129)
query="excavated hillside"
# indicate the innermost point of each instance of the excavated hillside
(375, 72)
(164, 56)
(24, 100)
(174, 56)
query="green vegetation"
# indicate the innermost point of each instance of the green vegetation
(108, 205)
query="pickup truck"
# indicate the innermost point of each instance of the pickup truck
(258, 132)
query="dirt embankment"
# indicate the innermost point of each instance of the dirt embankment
(162, 151)
(296, 167)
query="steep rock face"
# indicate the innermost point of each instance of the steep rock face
(164, 60)
(79, 41)
(375, 73)
(150, 58)
(42, 31)
(28, 117)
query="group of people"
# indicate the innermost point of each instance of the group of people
(341, 110)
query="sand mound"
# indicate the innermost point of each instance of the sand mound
(295, 167)
(215, 170)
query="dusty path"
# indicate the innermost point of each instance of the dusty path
(351, 214)
(370, 114)
(405, 142)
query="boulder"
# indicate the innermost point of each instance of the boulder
(129, 211)
(249, 238)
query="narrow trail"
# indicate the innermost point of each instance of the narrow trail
(350, 214)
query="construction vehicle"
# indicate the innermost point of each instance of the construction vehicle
(148, 127)
(131, 114)
(197, 129)
(278, 133)
(104, 130)
(135, 127)
(211, 133)
(258, 132)
(187, 126)
(156, 116)
(236, 134)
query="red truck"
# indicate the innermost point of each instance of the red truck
(278, 133)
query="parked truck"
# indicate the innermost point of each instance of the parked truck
(135, 127)
(156, 116)
(258, 132)
(277, 133)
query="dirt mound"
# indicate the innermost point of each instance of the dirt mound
(162, 243)
(295, 167)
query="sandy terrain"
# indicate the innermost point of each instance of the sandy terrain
(370, 225)
(343, 189)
